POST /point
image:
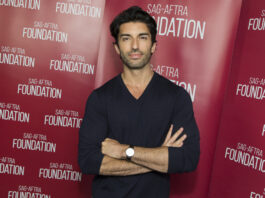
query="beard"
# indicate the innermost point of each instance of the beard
(138, 64)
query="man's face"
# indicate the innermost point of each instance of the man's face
(134, 45)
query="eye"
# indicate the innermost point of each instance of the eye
(143, 37)
(125, 38)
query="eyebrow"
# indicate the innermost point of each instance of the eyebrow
(144, 34)
(121, 35)
(141, 34)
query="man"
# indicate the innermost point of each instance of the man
(126, 137)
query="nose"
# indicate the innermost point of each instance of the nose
(135, 44)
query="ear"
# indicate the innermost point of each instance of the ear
(117, 49)
(153, 48)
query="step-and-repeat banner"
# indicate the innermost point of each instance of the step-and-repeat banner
(239, 167)
(48, 62)
(54, 53)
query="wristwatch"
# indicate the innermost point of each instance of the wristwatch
(129, 152)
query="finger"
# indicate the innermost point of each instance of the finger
(102, 149)
(180, 141)
(168, 134)
(180, 144)
(176, 135)
(182, 138)
(109, 141)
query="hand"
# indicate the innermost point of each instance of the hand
(171, 141)
(113, 148)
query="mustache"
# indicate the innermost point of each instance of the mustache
(135, 51)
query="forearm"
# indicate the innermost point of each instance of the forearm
(153, 158)
(116, 167)
(156, 159)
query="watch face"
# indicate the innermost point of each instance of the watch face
(129, 152)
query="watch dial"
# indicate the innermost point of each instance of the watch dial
(129, 152)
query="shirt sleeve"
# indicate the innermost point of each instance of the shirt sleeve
(185, 158)
(92, 132)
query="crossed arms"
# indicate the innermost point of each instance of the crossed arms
(144, 160)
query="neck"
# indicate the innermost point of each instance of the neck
(137, 78)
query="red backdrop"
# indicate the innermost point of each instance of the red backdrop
(239, 163)
(52, 57)
(48, 62)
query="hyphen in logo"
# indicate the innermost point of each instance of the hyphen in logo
(27, 192)
(34, 142)
(178, 26)
(8, 166)
(72, 64)
(63, 118)
(40, 88)
(10, 111)
(15, 56)
(253, 90)
(172, 73)
(45, 31)
(60, 171)
(246, 155)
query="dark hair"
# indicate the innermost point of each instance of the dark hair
(133, 14)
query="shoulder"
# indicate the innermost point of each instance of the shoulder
(100, 94)
(170, 90)
(165, 85)
(107, 87)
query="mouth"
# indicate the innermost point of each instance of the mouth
(135, 55)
